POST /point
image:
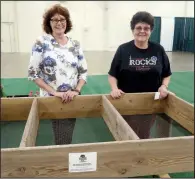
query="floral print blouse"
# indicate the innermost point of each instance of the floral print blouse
(59, 66)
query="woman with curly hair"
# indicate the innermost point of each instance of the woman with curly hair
(58, 66)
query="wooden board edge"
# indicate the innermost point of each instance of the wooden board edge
(31, 127)
(180, 115)
(18, 110)
(43, 116)
(81, 106)
(116, 123)
(164, 176)
(130, 99)
(167, 113)
(109, 123)
(148, 149)
(187, 140)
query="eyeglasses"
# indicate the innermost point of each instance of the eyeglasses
(55, 21)
(139, 28)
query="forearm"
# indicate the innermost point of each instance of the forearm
(166, 81)
(113, 82)
(80, 84)
(45, 86)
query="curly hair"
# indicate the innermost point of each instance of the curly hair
(144, 17)
(56, 9)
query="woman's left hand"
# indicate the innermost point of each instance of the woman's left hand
(69, 95)
(163, 91)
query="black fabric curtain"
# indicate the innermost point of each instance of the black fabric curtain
(155, 36)
(189, 35)
(183, 34)
(178, 40)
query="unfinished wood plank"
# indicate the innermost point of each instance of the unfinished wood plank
(115, 122)
(81, 106)
(114, 159)
(180, 111)
(164, 176)
(31, 127)
(117, 125)
(14, 109)
(137, 103)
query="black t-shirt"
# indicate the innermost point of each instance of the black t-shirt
(140, 70)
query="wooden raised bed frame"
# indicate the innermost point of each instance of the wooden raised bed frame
(128, 156)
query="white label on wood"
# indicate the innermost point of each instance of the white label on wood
(82, 162)
(157, 95)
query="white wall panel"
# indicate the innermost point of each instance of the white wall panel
(7, 11)
(167, 32)
(93, 32)
(30, 15)
(8, 27)
(120, 14)
(76, 10)
(6, 40)
(97, 25)
(190, 9)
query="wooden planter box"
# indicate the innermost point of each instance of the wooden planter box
(128, 156)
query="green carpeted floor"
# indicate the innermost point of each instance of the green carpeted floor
(86, 130)
(182, 83)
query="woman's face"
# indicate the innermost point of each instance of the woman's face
(58, 24)
(142, 32)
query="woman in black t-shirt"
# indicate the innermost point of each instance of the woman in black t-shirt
(140, 66)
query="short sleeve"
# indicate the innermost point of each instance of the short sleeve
(82, 66)
(115, 65)
(35, 60)
(166, 70)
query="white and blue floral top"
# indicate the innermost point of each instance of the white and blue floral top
(59, 66)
